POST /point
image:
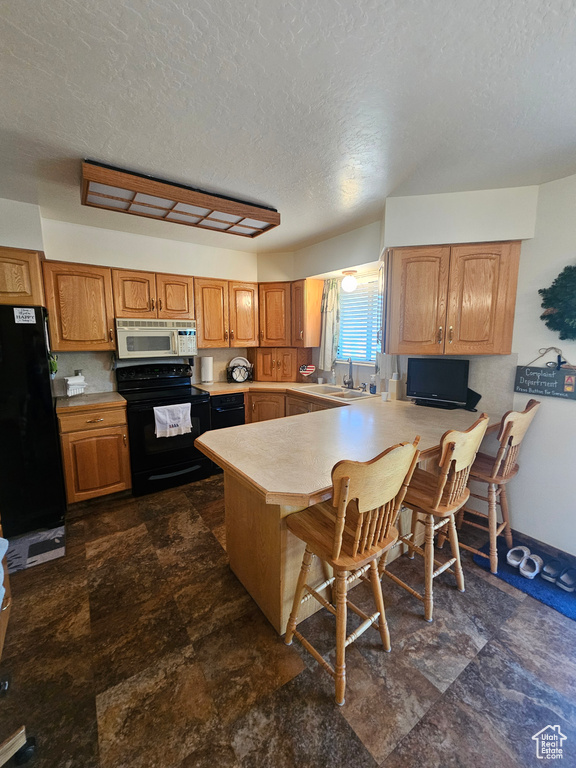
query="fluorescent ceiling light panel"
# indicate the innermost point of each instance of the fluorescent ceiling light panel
(113, 188)
(108, 202)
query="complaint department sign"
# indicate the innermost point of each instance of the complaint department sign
(546, 381)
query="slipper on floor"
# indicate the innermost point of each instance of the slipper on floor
(552, 570)
(530, 566)
(517, 555)
(567, 580)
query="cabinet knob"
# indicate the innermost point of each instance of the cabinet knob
(125, 441)
(301, 334)
(261, 334)
(273, 363)
(93, 421)
(450, 335)
(231, 335)
(160, 304)
(151, 303)
(111, 334)
(225, 335)
(253, 405)
(440, 335)
(278, 363)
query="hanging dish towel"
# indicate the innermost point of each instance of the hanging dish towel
(172, 420)
(3, 549)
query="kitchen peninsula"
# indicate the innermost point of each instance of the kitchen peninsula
(275, 468)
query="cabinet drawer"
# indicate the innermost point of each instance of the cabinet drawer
(73, 422)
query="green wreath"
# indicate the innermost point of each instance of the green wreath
(559, 303)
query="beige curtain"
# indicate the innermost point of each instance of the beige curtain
(330, 327)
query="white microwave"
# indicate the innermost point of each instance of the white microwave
(156, 338)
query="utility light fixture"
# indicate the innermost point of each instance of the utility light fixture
(116, 190)
(349, 282)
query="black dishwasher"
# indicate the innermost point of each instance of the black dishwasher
(226, 410)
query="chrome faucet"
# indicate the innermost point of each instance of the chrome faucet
(348, 381)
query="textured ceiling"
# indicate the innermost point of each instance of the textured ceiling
(320, 109)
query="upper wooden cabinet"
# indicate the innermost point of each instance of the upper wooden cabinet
(274, 364)
(452, 300)
(243, 307)
(306, 305)
(150, 295)
(21, 277)
(80, 306)
(275, 318)
(226, 313)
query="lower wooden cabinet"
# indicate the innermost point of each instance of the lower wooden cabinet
(95, 452)
(302, 404)
(263, 406)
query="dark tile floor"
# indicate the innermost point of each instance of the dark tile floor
(141, 649)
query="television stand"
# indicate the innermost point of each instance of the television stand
(436, 404)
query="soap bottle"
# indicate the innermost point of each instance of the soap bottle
(373, 384)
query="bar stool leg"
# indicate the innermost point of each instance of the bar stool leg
(379, 600)
(413, 532)
(428, 567)
(492, 526)
(506, 516)
(453, 535)
(301, 583)
(341, 612)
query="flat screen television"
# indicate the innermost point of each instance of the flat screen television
(437, 382)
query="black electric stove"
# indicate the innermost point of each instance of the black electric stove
(163, 462)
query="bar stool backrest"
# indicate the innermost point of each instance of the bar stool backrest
(457, 453)
(512, 431)
(367, 496)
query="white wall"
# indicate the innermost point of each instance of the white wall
(461, 217)
(274, 267)
(543, 496)
(93, 245)
(20, 225)
(359, 246)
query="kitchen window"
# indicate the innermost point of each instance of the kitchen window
(360, 321)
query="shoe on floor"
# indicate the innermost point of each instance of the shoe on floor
(552, 570)
(517, 555)
(567, 580)
(530, 566)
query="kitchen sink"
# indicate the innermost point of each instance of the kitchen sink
(350, 394)
(322, 389)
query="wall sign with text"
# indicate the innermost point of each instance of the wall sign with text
(546, 381)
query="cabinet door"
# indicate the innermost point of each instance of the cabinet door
(211, 312)
(134, 293)
(80, 306)
(243, 307)
(175, 297)
(96, 462)
(417, 300)
(305, 309)
(286, 364)
(264, 361)
(296, 405)
(275, 327)
(21, 278)
(263, 406)
(481, 298)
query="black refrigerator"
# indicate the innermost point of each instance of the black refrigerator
(31, 480)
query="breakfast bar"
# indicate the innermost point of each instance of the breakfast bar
(275, 468)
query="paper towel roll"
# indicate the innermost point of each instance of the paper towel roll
(207, 370)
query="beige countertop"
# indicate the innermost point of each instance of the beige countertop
(93, 400)
(223, 387)
(290, 460)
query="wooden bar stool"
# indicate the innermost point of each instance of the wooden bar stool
(497, 471)
(349, 534)
(440, 497)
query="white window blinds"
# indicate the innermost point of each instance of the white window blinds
(360, 321)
